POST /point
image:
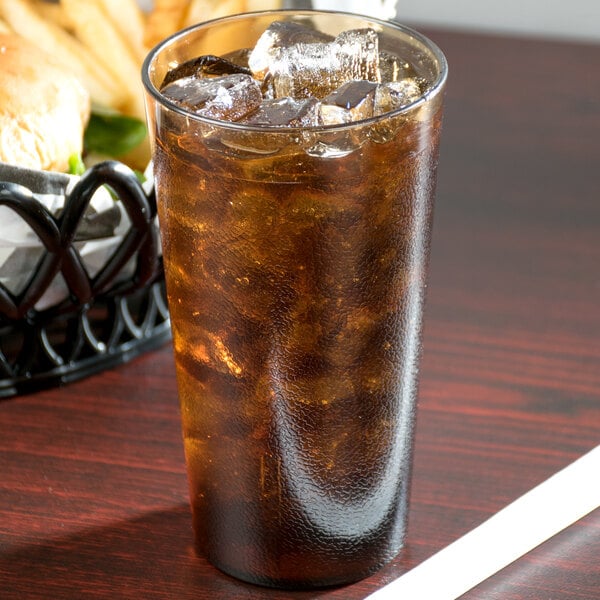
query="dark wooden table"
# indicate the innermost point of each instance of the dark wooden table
(93, 493)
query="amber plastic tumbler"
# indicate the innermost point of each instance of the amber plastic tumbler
(296, 263)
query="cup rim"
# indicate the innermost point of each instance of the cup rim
(434, 90)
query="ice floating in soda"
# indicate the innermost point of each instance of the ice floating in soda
(296, 76)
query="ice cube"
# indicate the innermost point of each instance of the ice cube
(361, 48)
(317, 69)
(280, 34)
(353, 101)
(391, 96)
(281, 112)
(394, 68)
(285, 112)
(205, 65)
(230, 97)
(334, 144)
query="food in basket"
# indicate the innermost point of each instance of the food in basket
(44, 108)
(101, 43)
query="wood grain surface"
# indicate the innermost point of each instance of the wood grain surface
(93, 492)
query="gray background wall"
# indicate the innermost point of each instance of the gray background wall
(562, 19)
(566, 19)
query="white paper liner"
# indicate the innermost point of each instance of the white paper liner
(106, 223)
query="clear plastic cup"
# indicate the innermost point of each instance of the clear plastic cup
(296, 264)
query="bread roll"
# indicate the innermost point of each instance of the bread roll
(44, 109)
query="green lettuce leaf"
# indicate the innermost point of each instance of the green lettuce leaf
(113, 134)
(76, 166)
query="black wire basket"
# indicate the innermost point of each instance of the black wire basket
(106, 316)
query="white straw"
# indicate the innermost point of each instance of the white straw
(518, 528)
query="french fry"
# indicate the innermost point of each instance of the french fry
(53, 12)
(94, 29)
(127, 18)
(254, 5)
(166, 18)
(225, 39)
(4, 28)
(204, 10)
(23, 19)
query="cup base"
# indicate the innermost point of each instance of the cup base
(338, 579)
